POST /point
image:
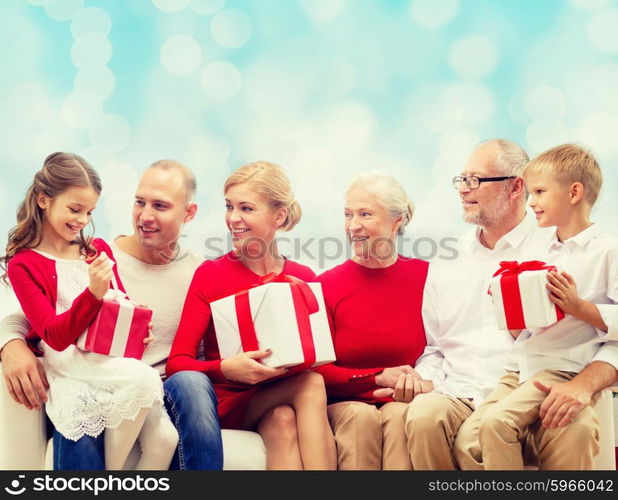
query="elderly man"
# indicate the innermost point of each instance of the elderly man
(156, 272)
(466, 352)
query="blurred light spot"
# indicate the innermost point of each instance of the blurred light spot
(40, 3)
(208, 155)
(468, 102)
(545, 102)
(91, 20)
(63, 10)
(181, 54)
(592, 87)
(545, 134)
(473, 57)
(433, 13)
(460, 141)
(598, 131)
(117, 195)
(206, 7)
(221, 80)
(91, 50)
(99, 82)
(27, 101)
(80, 109)
(184, 23)
(231, 28)
(97, 157)
(111, 132)
(590, 4)
(322, 11)
(170, 5)
(350, 125)
(54, 135)
(517, 111)
(603, 30)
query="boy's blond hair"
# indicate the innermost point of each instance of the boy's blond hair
(570, 163)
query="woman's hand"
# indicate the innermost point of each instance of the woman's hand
(101, 272)
(244, 368)
(408, 386)
(390, 376)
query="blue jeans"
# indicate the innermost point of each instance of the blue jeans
(191, 403)
(87, 453)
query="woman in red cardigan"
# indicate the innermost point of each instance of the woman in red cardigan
(289, 413)
(374, 304)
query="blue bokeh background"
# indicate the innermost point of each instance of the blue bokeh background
(326, 88)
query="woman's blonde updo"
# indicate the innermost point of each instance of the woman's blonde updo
(269, 180)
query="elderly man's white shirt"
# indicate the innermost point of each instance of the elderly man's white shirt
(466, 352)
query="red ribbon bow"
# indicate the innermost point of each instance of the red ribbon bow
(305, 303)
(512, 266)
(511, 295)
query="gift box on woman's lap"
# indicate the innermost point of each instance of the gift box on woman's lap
(119, 328)
(288, 318)
(520, 296)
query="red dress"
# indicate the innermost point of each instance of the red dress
(214, 279)
(376, 320)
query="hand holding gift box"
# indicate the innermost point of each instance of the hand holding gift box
(520, 295)
(120, 327)
(282, 313)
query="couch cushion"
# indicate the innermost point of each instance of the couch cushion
(242, 450)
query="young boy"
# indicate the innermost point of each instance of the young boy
(563, 184)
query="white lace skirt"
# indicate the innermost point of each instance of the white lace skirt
(90, 392)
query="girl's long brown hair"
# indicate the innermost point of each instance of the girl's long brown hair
(60, 172)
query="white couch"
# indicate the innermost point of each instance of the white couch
(24, 444)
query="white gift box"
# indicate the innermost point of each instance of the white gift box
(274, 318)
(521, 300)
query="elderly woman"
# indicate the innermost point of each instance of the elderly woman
(374, 303)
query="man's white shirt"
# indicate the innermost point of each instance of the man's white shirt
(466, 352)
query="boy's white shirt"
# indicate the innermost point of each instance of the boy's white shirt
(570, 344)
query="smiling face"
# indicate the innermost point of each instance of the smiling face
(161, 208)
(250, 218)
(370, 227)
(487, 205)
(549, 199)
(68, 213)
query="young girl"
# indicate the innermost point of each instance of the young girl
(289, 413)
(61, 294)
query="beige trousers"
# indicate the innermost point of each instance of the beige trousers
(369, 438)
(507, 423)
(431, 422)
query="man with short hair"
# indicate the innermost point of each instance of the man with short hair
(466, 352)
(157, 272)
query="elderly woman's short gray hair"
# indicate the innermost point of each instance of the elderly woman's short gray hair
(389, 191)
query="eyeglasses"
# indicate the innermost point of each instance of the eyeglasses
(473, 182)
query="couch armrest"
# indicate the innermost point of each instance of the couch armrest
(23, 434)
